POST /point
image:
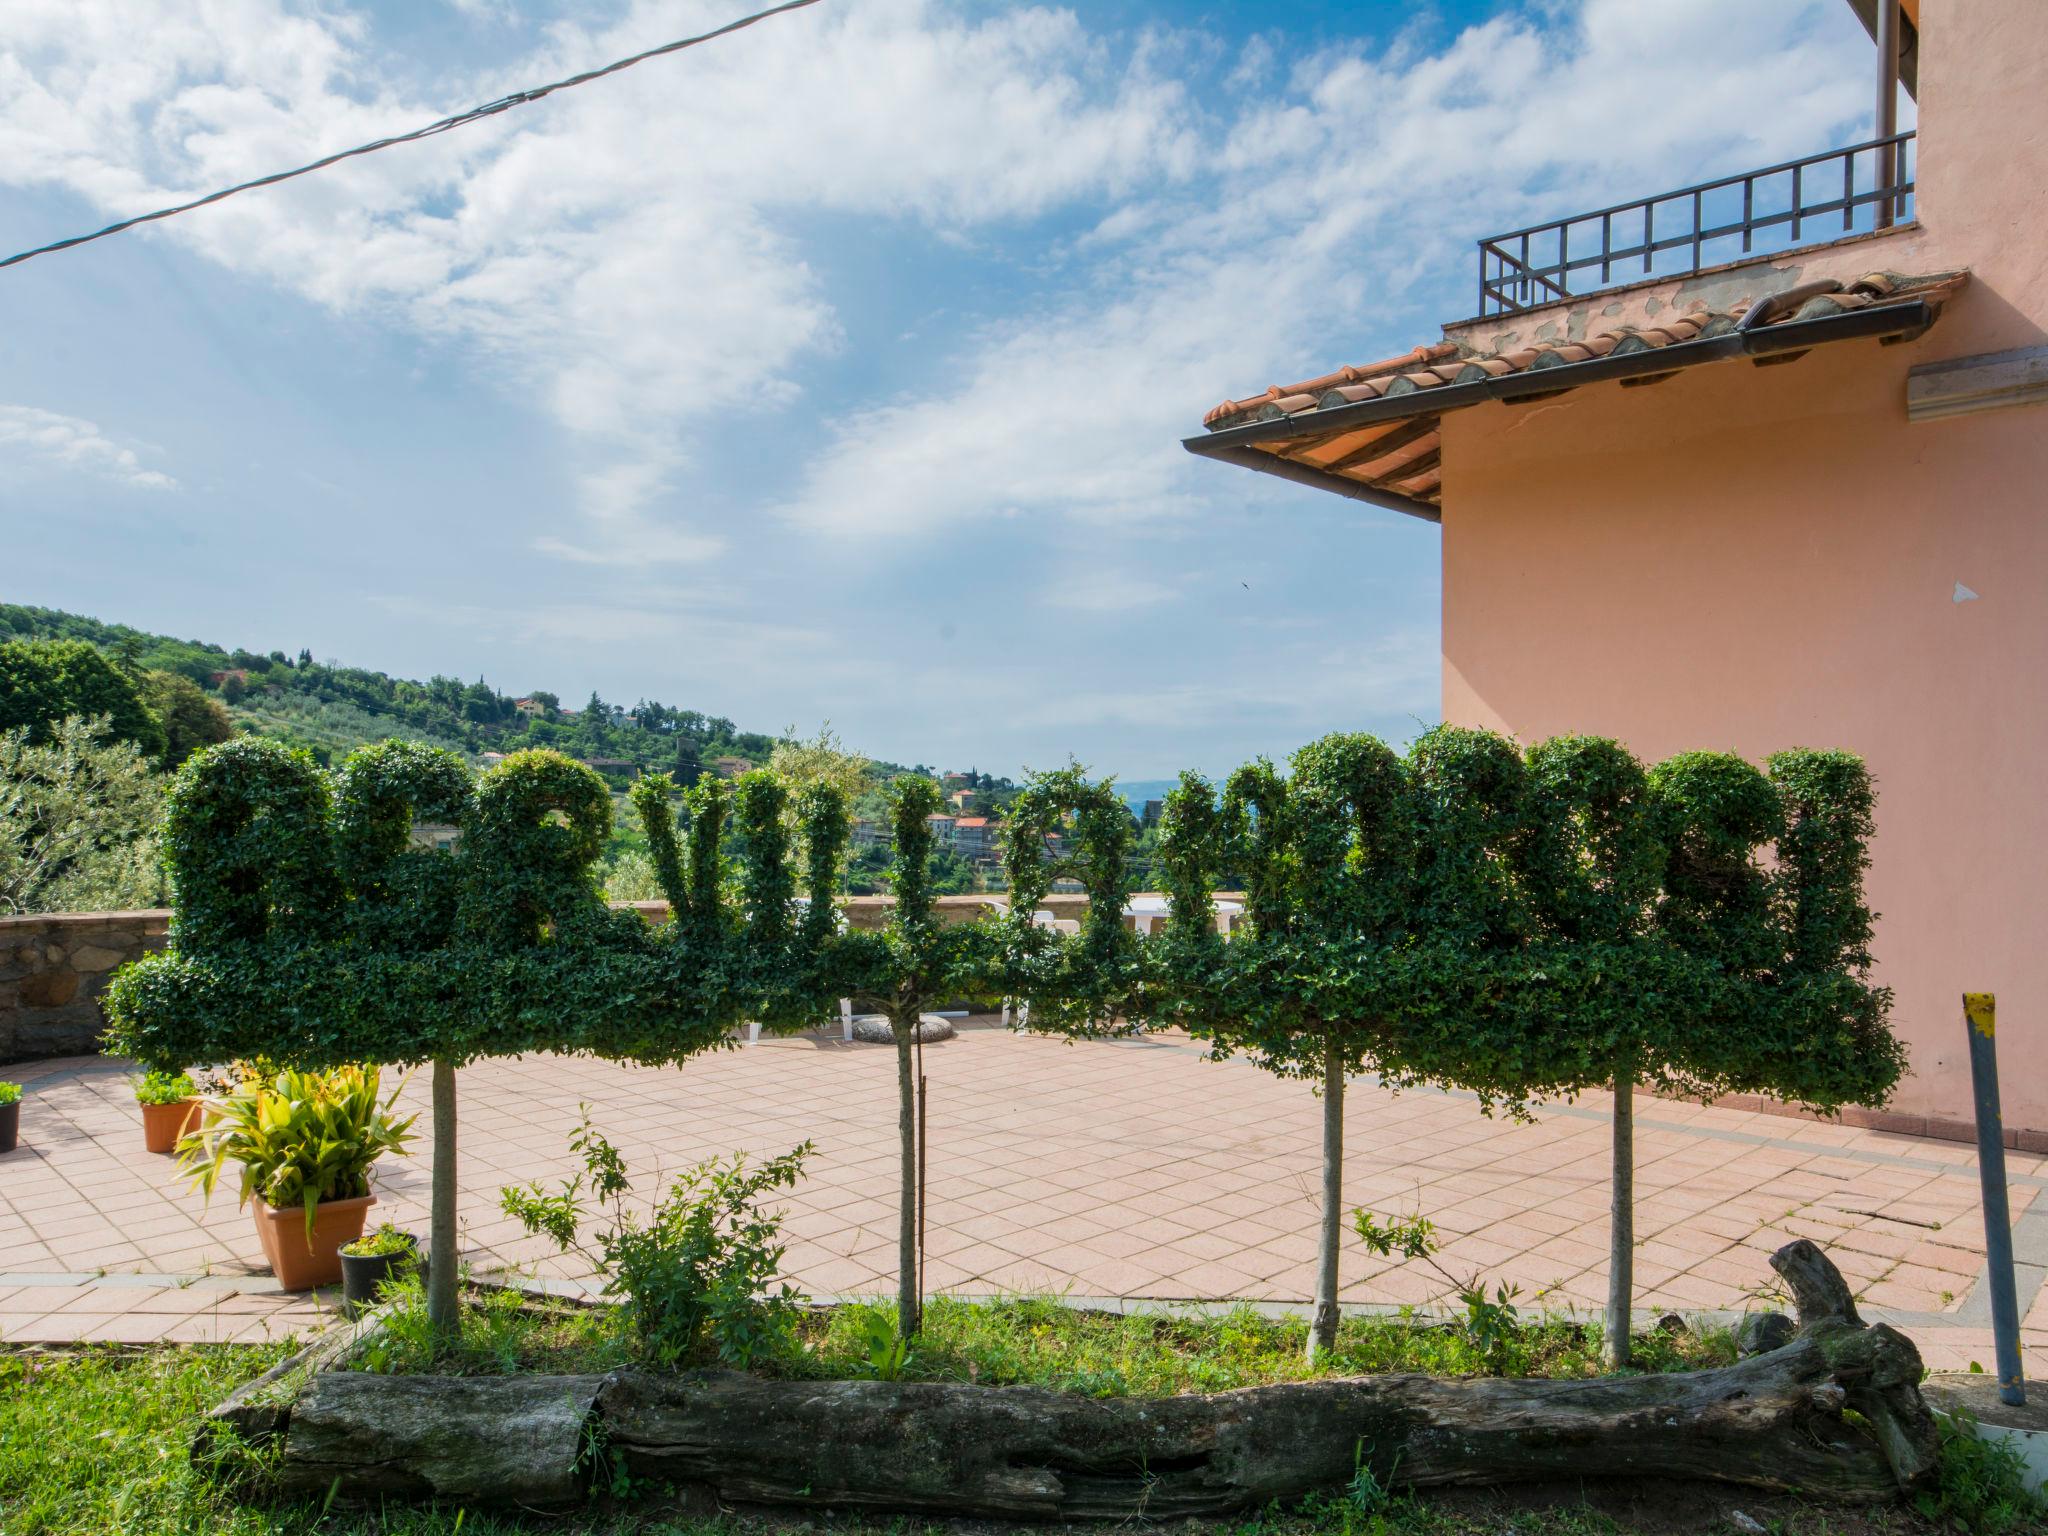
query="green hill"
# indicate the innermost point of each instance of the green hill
(331, 709)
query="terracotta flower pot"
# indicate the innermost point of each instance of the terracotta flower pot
(301, 1265)
(10, 1125)
(163, 1124)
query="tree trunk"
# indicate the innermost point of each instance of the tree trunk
(1322, 1333)
(1835, 1414)
(441, 1305)
(1621, 1235)
(909, 1295)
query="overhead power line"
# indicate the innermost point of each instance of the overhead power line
(460, 119)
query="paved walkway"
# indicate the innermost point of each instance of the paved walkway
(1132, 1170)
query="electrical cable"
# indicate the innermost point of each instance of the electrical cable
(460, 119)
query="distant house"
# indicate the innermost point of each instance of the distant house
(870, 834)
(974, 837)
(942, 827)
(438, 835)
(730, 767)
(532, 708)
(1154, 809)
(952, 781)
(239, 674)
(612, 767)
(491, 759)
(965, 801)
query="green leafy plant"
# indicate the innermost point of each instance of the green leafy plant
(1492, 1323)
(705, 1262)
(300, 1138)
(165, 1088)
(10, 1093)
(1980, 1486)
(385, 1240)
(888, 1352)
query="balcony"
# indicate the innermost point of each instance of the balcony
(1868, 186)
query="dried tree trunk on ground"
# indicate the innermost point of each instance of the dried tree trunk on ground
(1775, 1421)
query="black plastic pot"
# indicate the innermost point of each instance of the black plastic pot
(361, 1274)
(10, 1125)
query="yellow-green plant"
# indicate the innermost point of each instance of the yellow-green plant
(300, 1137)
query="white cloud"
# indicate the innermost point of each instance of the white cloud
(71, 443)
(1112, 592)
(640, 262)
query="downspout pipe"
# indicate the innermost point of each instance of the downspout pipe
(1887, 116)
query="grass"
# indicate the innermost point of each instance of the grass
(94, 1441)
(1035, 1341)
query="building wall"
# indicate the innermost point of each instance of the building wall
(1753, 558)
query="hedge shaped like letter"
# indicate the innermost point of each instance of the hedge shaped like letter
(307, 928)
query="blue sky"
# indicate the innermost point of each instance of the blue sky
(832, 371)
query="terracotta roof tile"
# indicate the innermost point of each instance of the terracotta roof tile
(1432, 367)
(1410, 464)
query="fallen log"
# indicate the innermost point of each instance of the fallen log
(1781, 1421)
(473, 1439)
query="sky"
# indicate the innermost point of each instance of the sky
(835, 370)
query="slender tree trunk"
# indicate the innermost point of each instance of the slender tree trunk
(441, 1239)
(1622, 1222)
(1322, 1333)
(909, 1295)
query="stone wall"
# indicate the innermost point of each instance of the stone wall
(52, 970)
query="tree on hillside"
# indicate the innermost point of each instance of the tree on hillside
(45, 681)
(190, 718)
(78, 818)
(822, 759)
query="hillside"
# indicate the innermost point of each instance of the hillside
(330, 708)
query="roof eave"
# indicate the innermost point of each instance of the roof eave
(1235, 445)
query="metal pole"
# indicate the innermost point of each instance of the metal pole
(1980, 1014)
(1887, 118)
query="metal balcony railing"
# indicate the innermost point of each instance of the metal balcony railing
(1870, 185)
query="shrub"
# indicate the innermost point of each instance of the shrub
(1981, 1484)
(300, 1138)
(165, 1088)
(705, 1262)
(10, 1093)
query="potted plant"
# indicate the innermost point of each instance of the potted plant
(170, 1103)
(10, 1115)
(305, 1141)
(371, 1260)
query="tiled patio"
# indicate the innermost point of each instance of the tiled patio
(1135, 1170)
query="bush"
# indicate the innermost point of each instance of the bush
(1981, 1486)
(704, 1264)
(10, 1093)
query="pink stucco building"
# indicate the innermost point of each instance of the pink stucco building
(1755, 501)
